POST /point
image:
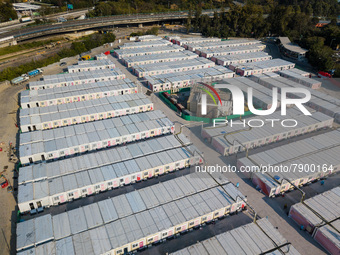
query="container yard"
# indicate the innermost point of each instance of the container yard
(241, 58)
(84, 66)
(254, 238)
(45, 185)
(266, 66)
(159, 57)
(319, 216)
(125, 53)
(171, 67)
(318, 151)
(306, 81)
(175, 81)
(220, 44)
(145, 44)
(144, 217)
(41, 118)
(241, 136)
(319, 101)
(66, 141)
(71, 79)
(209, 53)
(69, 94)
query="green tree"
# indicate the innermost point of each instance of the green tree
(7, 12)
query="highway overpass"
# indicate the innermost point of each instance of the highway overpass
(95, 23)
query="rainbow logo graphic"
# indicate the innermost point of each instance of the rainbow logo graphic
(209, 93)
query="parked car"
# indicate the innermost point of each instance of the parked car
(63, 64)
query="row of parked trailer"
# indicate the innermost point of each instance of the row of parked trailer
(319, 101)
(84, 66)
(266, 66)
(242, 135)
(297, 164)
(320, 216)
(71, 79)
(241, 58)
(184, 79)
(81, 112)
(69, 94)
(259, 237)
(66, 141)
(172, 67)
(158, 57)
(92, 173)
(134, 220)
(124, 53)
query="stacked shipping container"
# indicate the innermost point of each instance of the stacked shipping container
(83, 66)
(241, 58)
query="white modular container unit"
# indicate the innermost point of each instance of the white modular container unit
(66, 141)
(241, 58)
(223, 139)
(145, 44)
(124, 53)
(319, 101)
(262, 97)
(308, 82)
(69, 94)
(266, 66)
(248, 239)
(191, 40)
(184, 79)
(221, 44)
(76, 113)
(143, 217)
(327, 237)
(321, 218)
(172, 67)
(306, 160)
(326, 205)
(85, 66)
(146, 38)
(71, 79)
(156, 58)
(78, 183)
(209, 53)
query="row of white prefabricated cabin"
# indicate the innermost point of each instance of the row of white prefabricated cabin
(221, 44)
(262, 97)
(325, 229)
(52, 144)
(172, 67)
(70, 79)
(55, 116)
(241, 58)
(191, 40)
(145, 44)
(123, 53)
(265, 66)
(184, 79)
(292, 75)
(209, 53)
(305, 161)
(92, 173)
(69, 94)
(134, 220)
(223, 138)
(84, 66)
(319, 101)
(159, 57)
(251, 239)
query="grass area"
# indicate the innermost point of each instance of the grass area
(25, 46)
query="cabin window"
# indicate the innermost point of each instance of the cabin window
(84, 190)
(165, 234)
(56, 198)
(178, 229)
(135, 245)
(70, 194)
(97, 187)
